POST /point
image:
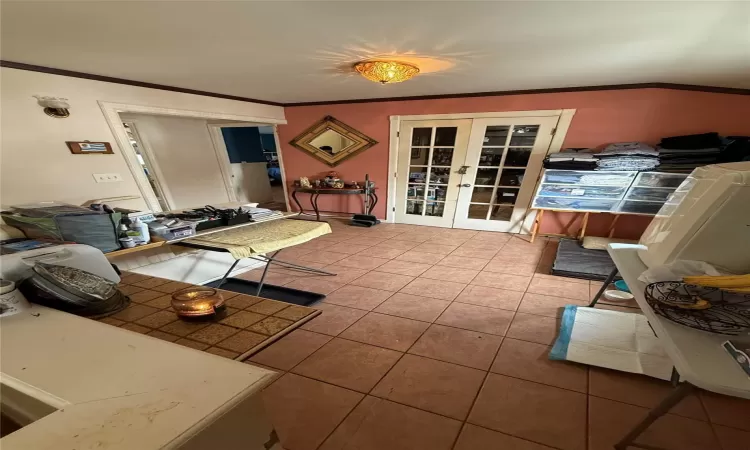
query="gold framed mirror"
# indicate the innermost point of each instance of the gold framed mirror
(332, 141)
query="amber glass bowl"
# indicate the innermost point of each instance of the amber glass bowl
(197, 301)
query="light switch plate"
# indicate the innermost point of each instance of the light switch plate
(107, 177)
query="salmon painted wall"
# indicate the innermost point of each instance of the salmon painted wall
(601, 117)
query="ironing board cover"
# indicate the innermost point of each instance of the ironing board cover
(264, 237)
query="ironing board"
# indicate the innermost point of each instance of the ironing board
(256, 242)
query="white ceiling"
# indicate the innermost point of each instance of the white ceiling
(302, 51)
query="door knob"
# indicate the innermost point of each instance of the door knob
(464, 185)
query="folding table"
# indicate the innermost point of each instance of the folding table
(698, 356)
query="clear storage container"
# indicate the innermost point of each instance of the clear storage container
(574, 204)
(636, 207)
(588, 178)
(659, 179)
(560, 190)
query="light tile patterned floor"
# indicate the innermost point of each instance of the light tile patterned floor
(437, 338)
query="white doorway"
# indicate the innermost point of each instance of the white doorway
(251, 163)
(471, 172)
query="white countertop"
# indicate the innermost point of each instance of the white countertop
(113, 388)
(697, 355)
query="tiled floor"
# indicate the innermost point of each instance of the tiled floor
(438, 339)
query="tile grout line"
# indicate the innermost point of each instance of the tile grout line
(479, 391)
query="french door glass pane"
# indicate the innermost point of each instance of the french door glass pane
(434, 209)
(421, 137)
(506, 196)
(442, 157)
(437, 193)
(414, 207)
(486, 177)
(490, 157)
(501, 213)
(445, 136)
(496, 135)
(512, 177)
(419, 156)
(440, 175)
(482, 195)
(524, 135)
(517, 157)
(478, 211)
(417, 174)
(415, 191)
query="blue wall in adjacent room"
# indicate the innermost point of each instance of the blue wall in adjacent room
(244, 144)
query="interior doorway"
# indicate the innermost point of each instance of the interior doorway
(255, 166)
(188, 162)
(475, 173)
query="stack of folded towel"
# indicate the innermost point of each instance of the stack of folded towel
(627, 156)
(685, 153)
(571, 159)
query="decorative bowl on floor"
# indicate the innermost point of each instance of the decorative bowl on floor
(197, 301)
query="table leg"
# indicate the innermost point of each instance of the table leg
(224, 278)
(612, 226)
(606, 284)
(537, 222)
(263, 277)
(296, 200)
(314, 203)
(374, 196)
(667, 404)
(584, 225)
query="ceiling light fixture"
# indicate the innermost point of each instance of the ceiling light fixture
(386, 72)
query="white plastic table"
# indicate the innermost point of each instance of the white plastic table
(698, 356)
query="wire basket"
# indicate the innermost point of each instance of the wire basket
(726, 312)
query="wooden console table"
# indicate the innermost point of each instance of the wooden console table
(317, 192)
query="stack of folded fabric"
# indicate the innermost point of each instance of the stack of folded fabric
(627, 156)
(685, 153)
(571, 159)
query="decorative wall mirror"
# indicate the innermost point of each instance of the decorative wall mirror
(332, 141)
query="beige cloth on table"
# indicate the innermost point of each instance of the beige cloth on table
(263, 237)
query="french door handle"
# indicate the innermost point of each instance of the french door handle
(462, 170)
(464, 185)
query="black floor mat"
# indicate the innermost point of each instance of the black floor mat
(282, 294)
(574, 261)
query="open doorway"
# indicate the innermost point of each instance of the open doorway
(189, 162)
(255, 166)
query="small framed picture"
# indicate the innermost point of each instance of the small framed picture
(88, 148)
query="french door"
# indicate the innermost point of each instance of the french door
(503, 161)
(470, 173)
(430, 157)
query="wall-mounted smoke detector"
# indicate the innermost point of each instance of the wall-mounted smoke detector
(54, 106)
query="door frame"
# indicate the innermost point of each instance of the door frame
(564, 118)
(112, 110)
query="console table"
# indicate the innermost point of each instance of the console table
(317, 192)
